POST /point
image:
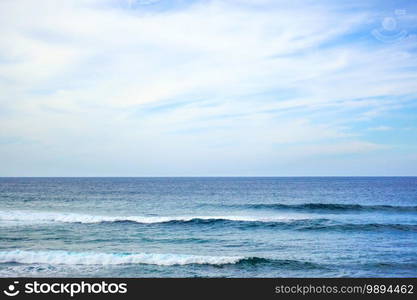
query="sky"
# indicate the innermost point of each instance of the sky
(208, 88)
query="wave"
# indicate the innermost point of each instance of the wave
(30, 216)
(281, 263)
(330, 207)
(299, 223)
(331, 225)
(93, 258)
(364, 227)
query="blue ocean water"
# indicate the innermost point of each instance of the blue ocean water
(205, 227)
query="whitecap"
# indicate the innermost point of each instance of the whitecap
(94, 258)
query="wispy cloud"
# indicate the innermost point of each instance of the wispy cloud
(380, 128)
(198, 87)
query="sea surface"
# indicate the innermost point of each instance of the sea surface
(209, 227)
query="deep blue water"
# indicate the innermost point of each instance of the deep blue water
(222, 227)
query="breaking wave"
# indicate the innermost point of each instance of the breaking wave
(29, 216)
(92, 258)
(330, 207)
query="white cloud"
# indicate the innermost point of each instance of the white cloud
(214, 77)
(380, 128)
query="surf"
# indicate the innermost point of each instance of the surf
(56, 257)
(36, 217)
(332, 207)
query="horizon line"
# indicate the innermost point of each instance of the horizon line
(215, 176)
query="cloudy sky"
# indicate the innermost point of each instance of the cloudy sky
(206, 88)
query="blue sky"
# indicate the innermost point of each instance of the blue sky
(208, 88)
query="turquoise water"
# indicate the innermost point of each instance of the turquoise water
(222, 227)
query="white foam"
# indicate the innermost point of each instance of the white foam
(92, 258)
(39, 217)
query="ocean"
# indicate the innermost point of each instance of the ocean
(209, 227)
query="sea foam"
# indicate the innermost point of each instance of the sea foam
(93, 258)
(39, 217)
